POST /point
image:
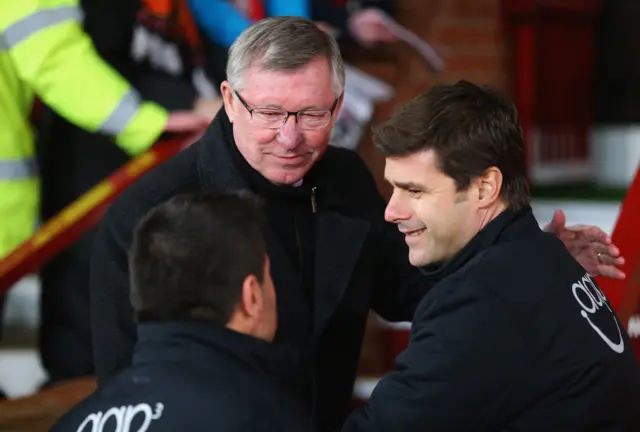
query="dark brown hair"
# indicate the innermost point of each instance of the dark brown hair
(191, 254)
(470, 128)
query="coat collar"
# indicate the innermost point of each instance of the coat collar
(505, 225)
(162, 342)
(216, 169)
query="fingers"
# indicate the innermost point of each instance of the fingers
(185, 121)
(611, 272)
(575, 242)
(608, 260)
(605, 250)
(592, 233)
(557, 223)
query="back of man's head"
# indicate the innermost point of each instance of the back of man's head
(194, 255)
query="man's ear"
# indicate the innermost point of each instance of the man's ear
(489, 186)
(227, 96)
(252, 300)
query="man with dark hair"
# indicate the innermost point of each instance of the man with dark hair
(205, 305)
(514, 334)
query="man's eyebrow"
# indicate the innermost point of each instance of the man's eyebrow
(271, 106)
(313, 107)
(408, 185)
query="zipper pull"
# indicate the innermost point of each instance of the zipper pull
(313, 199)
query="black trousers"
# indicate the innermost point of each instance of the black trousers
(72, 161)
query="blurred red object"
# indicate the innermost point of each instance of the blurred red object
(624, 295)
(80, 216)
(256, 10)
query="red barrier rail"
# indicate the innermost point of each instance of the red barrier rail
(80, 216)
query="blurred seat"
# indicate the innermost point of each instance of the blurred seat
(38, 413)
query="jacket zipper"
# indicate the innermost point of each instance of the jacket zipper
(313, 199)
(313, 353)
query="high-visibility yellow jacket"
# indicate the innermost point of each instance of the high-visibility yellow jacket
(44, 51)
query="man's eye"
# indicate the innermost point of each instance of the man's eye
(414, 192)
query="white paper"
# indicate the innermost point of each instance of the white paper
(362, 91)
(358, 82)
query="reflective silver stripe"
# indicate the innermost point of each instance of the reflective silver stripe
(18, 169)
(39, 20)
(122, 114)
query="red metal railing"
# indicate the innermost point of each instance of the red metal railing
(80, 216)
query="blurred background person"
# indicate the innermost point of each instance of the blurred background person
(362, 22)
(222, 21)
(44, 52)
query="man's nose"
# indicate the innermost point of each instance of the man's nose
(289, 135)
(397, 210)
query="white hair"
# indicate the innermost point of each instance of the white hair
(283, 44)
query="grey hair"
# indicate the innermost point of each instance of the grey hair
(283, 44)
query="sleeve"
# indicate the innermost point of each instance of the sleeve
(300, 8)
(460, 368)
(110, 24)
(53, 56)
(336, 15)
(220, 20)
(113, 328)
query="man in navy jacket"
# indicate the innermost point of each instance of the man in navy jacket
(205, 303)
(514, 334)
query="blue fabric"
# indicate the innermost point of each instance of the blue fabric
(222, 22)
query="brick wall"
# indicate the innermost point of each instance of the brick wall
(467, 34)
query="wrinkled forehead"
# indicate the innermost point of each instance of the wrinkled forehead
(310, 86)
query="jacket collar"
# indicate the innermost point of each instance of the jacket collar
(163, 342)
(215, 165)
(507, 225)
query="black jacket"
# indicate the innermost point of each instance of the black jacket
(360, 263)
(194, 377)
(514, 336)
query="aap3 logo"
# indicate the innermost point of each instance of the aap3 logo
(122, 416)
(591, 299)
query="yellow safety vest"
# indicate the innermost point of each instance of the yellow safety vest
(44, 51)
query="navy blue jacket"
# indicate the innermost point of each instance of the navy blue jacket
(193, 377)
(514, 336)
